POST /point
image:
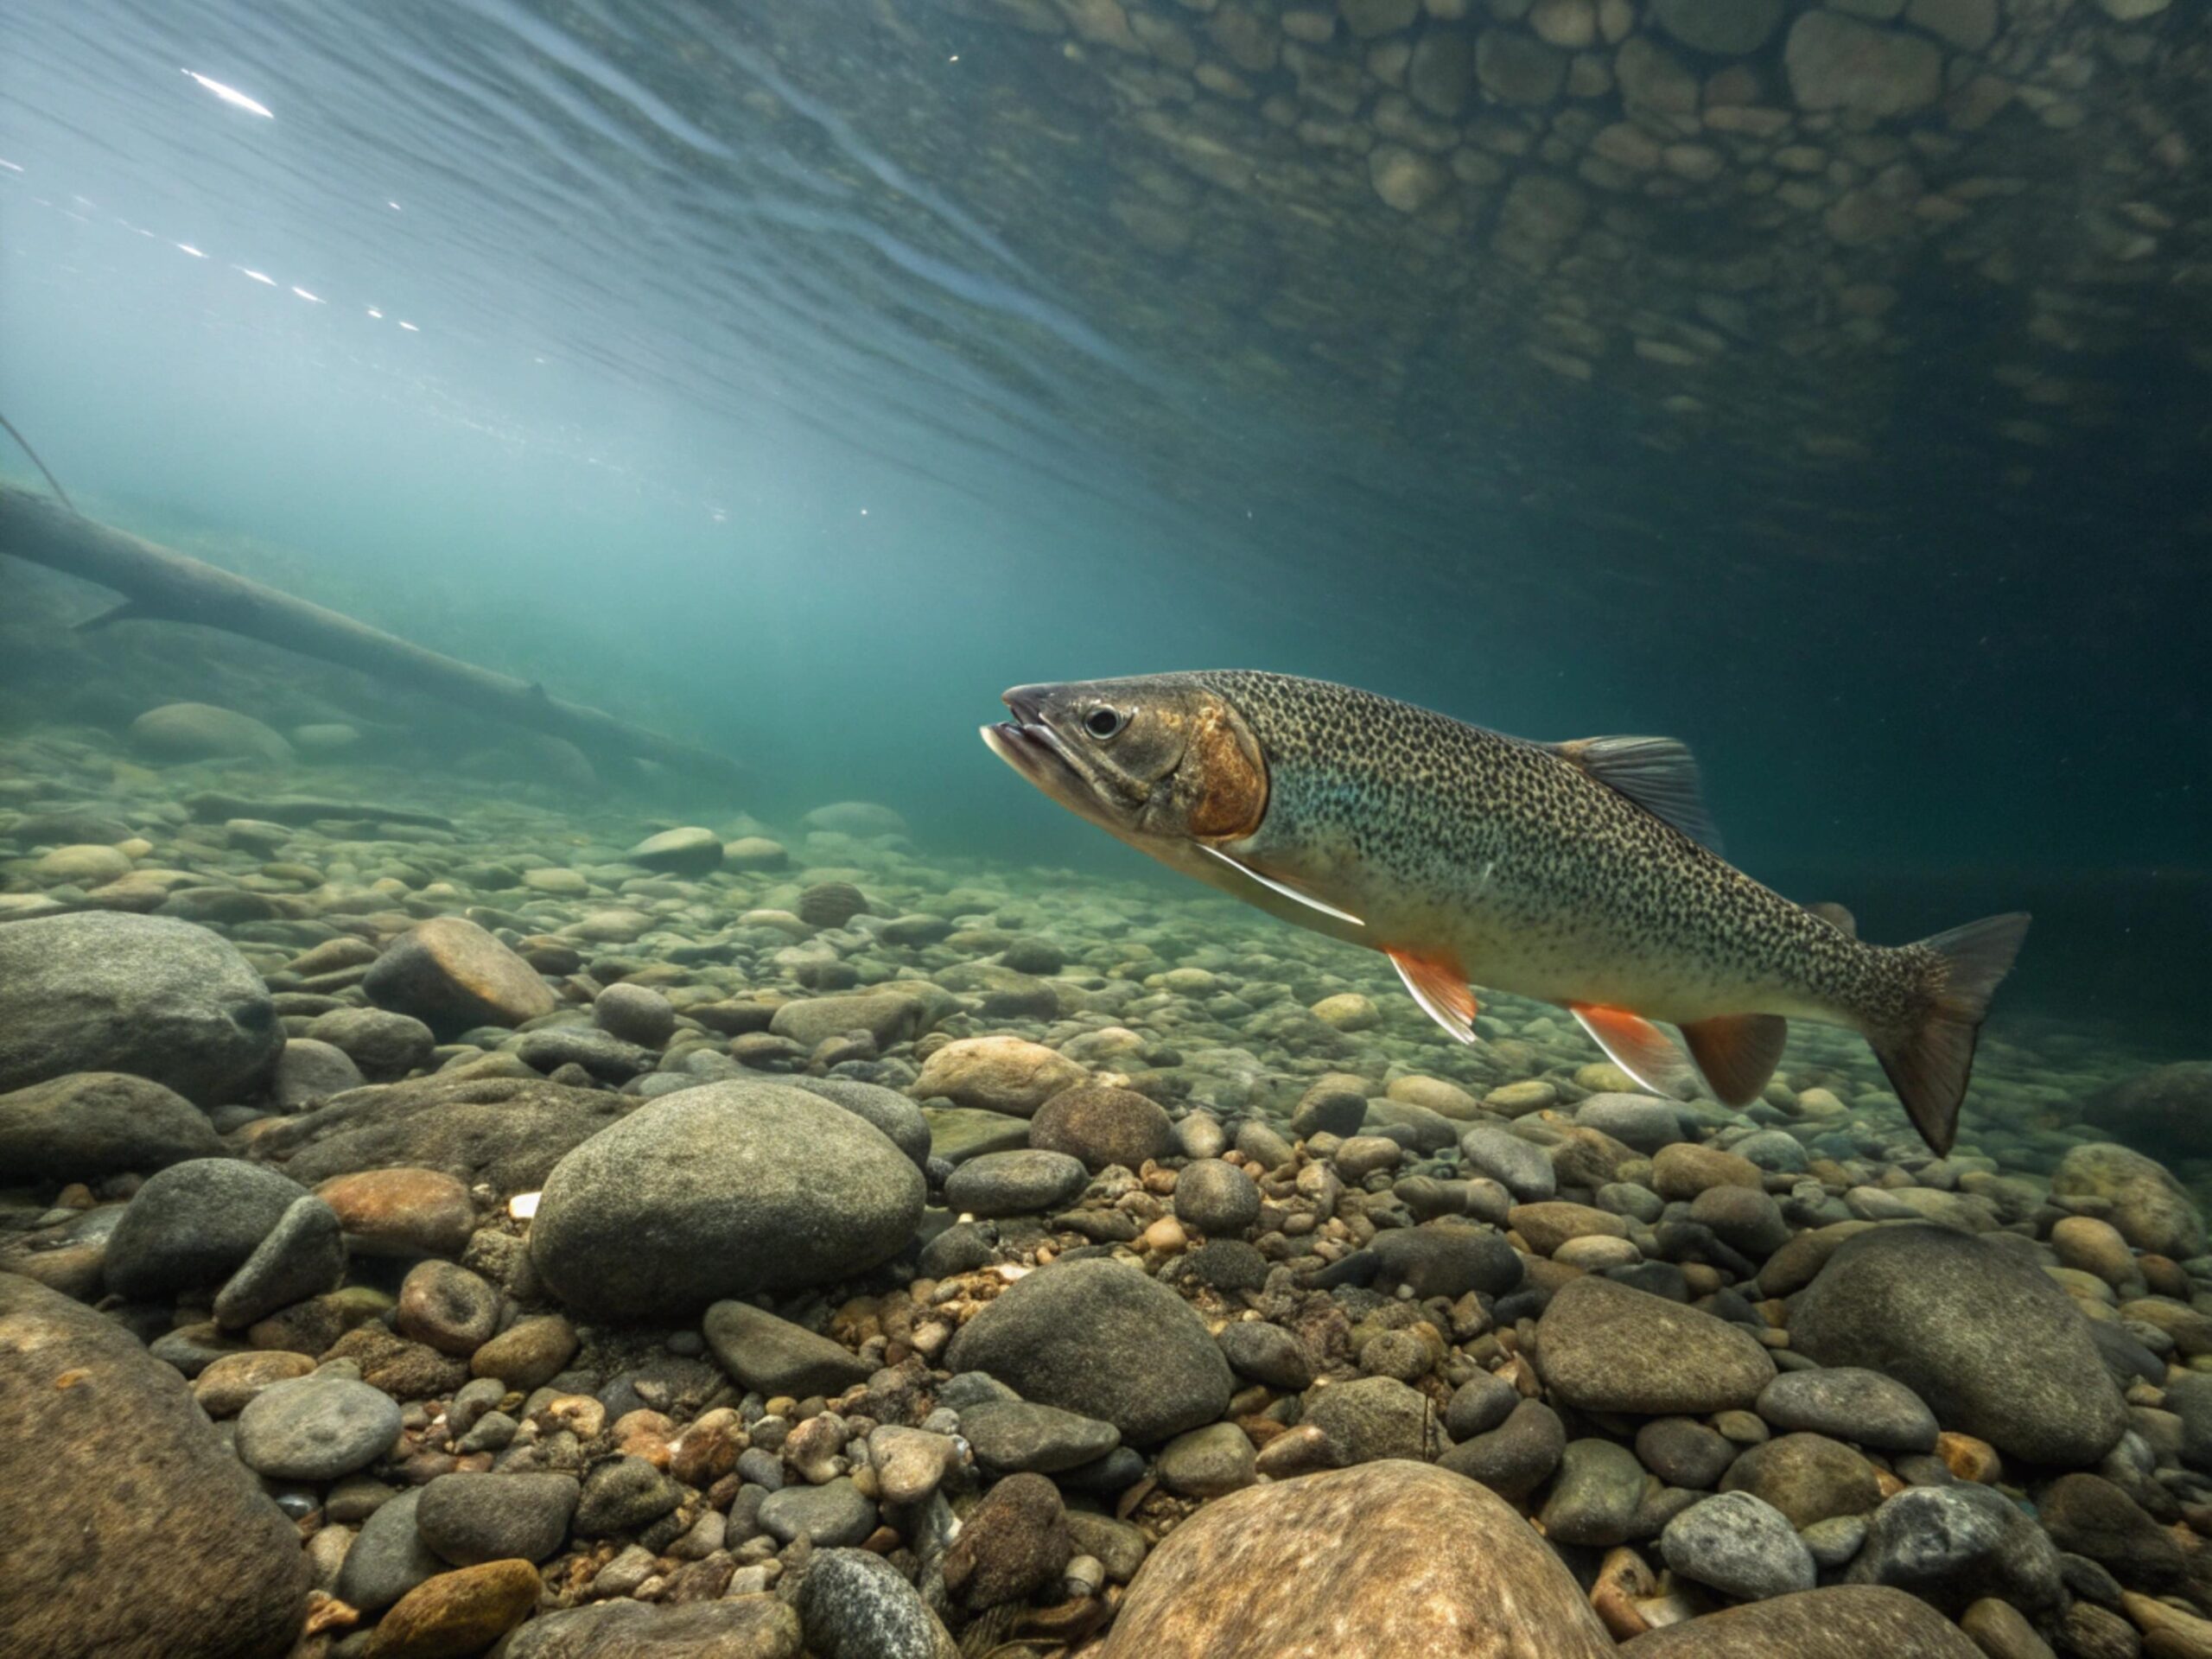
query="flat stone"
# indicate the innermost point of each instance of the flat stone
(1518, 1165)
(1864, 1407)
(774, 1357)
(888, 1016)
(316, 1429)
(1102, 1126)
(1808, 1477)
(834, 1516)
(1601, 1346)
(502, 1132)
(690, 851)
(193, 1558)
(1837, 63)
(388, 1557)
(1595, 1495)
(1025, 1183)
(1375, 1551)
(528, 1354)
(1207, 1462)
(457, 1614)
(402, 1212)
(996, 1074)
(1010, 1436)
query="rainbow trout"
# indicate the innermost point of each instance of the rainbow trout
(1579, 873)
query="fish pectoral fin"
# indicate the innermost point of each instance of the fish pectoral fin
(1278, 886)
(1439, 985)
(1658, 773)
(1738, 1053)
(1836, 917)
(1638, 1047)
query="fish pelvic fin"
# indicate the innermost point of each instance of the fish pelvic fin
(1736, 1052)
(1928, 1062)
(1439, 985)
(1638, 1047)
(1297, 895)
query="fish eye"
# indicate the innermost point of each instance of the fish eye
(1104, 722)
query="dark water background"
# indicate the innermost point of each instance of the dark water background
(781, 376)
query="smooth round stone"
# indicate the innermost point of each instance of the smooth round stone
(1478, 1405)
(309, 1071)
(449, 1308)
(528, 1354)
(1595, 1495)
(622, 1494)
(1103, 1126)
(910, 1463)
(401, 1211)
(1266, 1353)
(469, 1519)
(634, 1013)
(1809, 1478)
(1739, 1545)
(1335, 1104)
(1016, 1183)
(1952, 1545)
(385, 1046)
(1013, 1436)
(1601, 1346)
(459, 1612)
(1684, 1452)
(1207, 1462)
(688, 851)
(1366, 1155)
(1864, 1407)
(454, 975)
(1521, 1167)
(228, 1384)
(1548, 1225)
(1516, 1457)
(886, 1110)
(1216, 1198)
(1775, 1150)
(1644, 1121)
(998, 1074)
(316, 1429)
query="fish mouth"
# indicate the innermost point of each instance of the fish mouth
(1031, 747)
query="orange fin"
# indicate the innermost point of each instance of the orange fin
(1738, 1053)
(1439, 985)
(1637, 1046)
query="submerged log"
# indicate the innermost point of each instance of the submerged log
(159, 584)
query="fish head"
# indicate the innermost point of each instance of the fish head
(1151, 760)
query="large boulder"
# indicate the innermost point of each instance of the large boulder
(1387, 1560)
(88, 1124)
(452, 975)
(2167, 1109)
(722, 1190)
(201, 731)
(1603, 1346)
(1993, 1346)
(133, 1533)
(2149, 1207)
(1847, 1622)
(1102, 1340)
(506, 1133)
(104, 991)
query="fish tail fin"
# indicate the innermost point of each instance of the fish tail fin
(1930, 1060)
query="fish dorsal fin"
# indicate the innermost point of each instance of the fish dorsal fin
(1282, 887)
(1439, 985)
(1658, 773)
(1638, 1047)
(1836, 917)
(1738, 1053)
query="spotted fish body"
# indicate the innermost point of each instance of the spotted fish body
(1541, 880)
(1576, 874)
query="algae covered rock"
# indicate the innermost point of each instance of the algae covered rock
(104, 1443)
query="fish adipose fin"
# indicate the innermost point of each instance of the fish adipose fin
(1658, 773)
(1282, 887)
(1638, 1047)
(1738, 1053)
(1440, 988)
(1928, 1063)
(1836, 917)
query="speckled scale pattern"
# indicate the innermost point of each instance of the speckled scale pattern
(1539, 870)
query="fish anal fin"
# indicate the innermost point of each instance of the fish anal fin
(1637, 1046)
(1836, 917)
(1439, 985)
(1658, 773)
(1738, 1053)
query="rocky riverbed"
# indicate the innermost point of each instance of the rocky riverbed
(436, 1224)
